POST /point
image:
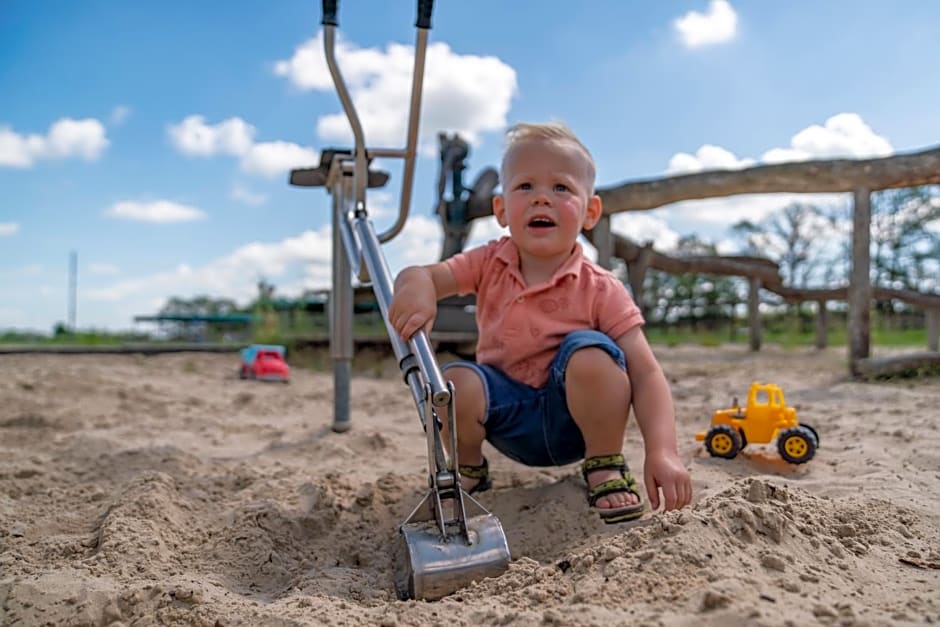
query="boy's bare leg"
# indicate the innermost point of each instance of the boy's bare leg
(469, 404)
(598, 394)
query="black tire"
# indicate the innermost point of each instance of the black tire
(813, 431)
(797, 445)
(723, 441)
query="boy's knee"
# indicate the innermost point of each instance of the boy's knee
(467, 385)
(463, 377)
(590, 363)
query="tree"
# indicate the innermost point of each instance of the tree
(906, 238)
(691, 296)
(790, 237)
(201, 305)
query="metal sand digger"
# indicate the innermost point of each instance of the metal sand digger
(440, 549)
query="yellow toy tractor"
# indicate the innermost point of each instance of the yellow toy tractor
(765, 418)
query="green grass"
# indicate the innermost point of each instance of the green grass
(786, 337)
(785, 331)
(81, 338)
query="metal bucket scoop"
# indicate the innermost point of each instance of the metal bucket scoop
(450, 540)
(431, 568)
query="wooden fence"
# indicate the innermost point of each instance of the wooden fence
(860, 177)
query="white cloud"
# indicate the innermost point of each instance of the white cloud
(9, 228)
(842, 135)
(30, 270)
(17, 151)
(158, 211)
(418, 243)
(707, 157)
(718, 25)
(728, 247)
(242, 194)
(273, 158)
(483, 231)
(15, 318)
(469, 94)
(723, 212)
(195, 138)
(119, 115)
(235, 137)
(103, 269)
(85, 139)
(642, 227)
(232, 276)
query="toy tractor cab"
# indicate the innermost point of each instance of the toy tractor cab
(765, 417)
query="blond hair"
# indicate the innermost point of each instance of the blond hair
(555, 132)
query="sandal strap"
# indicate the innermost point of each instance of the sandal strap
(612, 486)
(603, 462)
(475, 472)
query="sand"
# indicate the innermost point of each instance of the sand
(163, 490)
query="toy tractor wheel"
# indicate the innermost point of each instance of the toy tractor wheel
(813, 431)
(723, 441)
(797, 445)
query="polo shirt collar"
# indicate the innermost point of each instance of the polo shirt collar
(508, 253)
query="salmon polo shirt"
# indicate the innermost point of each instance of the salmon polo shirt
(521, 327)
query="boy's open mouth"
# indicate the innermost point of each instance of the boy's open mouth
(541, 222)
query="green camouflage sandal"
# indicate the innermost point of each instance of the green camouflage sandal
(481, 472)
(625, 483)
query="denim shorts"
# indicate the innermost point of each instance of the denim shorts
(533, 425)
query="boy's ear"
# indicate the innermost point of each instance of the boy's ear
(595, 209)
(499, 210)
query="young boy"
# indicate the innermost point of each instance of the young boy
(561, 355)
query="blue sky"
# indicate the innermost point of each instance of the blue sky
(155, 139)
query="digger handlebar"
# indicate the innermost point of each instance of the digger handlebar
(424, 13)
(329, 13)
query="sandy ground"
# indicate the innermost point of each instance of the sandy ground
(163, 490)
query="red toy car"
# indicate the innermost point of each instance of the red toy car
(264, 362)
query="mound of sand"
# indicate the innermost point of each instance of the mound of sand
(163, 490)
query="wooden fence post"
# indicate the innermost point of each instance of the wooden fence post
(753, 309)
(860, 281)
(822, 325)
(604, 243)
(933, 329)
(636, 273)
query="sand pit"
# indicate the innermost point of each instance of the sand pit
(163, 490)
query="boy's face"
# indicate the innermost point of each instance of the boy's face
(547, 198)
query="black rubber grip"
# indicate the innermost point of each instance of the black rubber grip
(329, 13)
(424, 13)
